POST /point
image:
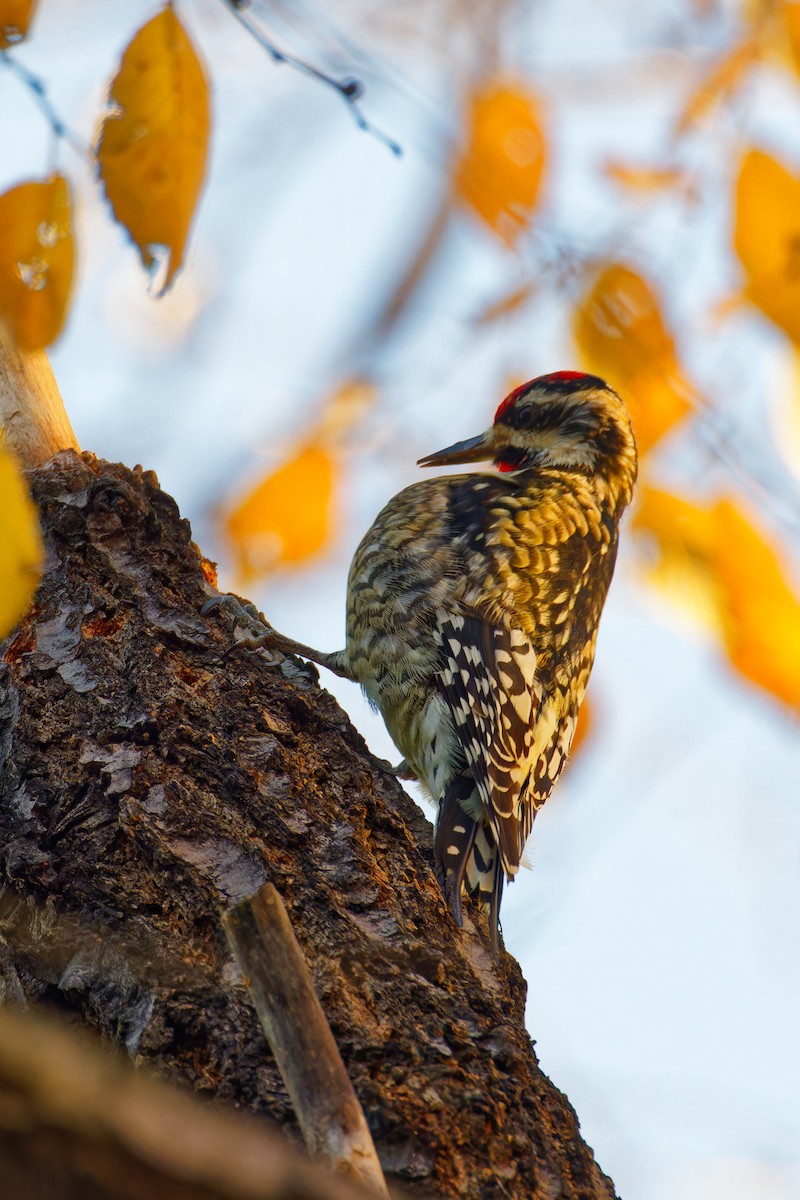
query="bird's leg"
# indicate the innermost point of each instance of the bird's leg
(251, 629)
(404, 771)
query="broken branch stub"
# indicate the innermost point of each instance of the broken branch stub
(332, 1121)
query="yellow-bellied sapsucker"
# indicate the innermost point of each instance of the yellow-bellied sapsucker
(472, 614)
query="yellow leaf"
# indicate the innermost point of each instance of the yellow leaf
(682, 536)
(37, 255)
(637, 178)
(767, 238)
(345, 409)
(506, 306)
(714, 559)
(154, 140)
(791, 24)
(20, 545)
(725, 75)
(583, 727)
(760, 608)
(621, 334)
(500, 172)
(286, 518)
(15, 19)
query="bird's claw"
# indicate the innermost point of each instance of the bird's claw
(248, 626)
(403, 771)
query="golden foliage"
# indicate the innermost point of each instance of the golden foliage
(717, 557)
(506, 306)
(583, 728)
(285, 519)
(621, 334)
(20, 545)
(36, 260)
(790, 14)
(500, 172)
(637, 178)
(15, 19)
(726, 75)
(346, 408)
(154, 140)
(767, 238)
(760, 609)
(683, 534)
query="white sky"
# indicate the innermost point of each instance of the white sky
(658, 928)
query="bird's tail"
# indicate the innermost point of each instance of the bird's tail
(467, 856)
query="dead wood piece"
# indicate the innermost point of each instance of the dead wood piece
(32, 414)
(331, 1118)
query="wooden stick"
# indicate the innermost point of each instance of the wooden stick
(32, 413)
(330, 1116)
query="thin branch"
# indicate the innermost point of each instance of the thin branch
(33, 419)
(350, 90)
(333, 1123)
(38, 89)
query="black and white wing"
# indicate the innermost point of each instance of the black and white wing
(488, 680)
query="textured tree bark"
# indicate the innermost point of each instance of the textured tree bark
(149, 779)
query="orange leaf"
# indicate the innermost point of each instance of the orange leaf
(154, 140)
(583, 728)
(621, 334)
(500, 172)
(791, 24)
(506, 306)
(716, 558)
(760, 608)
(345, 409)
(37, 255)
(15, 19)
(637, 178)
(20, 545)
(767, 238)
(725, 75)
(286, 518)
(680, 566)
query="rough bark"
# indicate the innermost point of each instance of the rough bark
(149, 779)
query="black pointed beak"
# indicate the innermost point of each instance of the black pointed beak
(477, 449)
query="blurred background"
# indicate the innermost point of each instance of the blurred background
(608, 185)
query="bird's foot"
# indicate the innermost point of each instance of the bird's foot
(404, 771)
(248, 627)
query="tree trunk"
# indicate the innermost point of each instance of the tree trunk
(150, 779)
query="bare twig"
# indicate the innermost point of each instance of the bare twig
(331, 1118)
(33, 419)
(38, 90)
(351, 90)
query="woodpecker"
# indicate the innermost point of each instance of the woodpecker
(472, 614)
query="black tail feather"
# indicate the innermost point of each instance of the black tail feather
(494, 906)
(453, 843)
